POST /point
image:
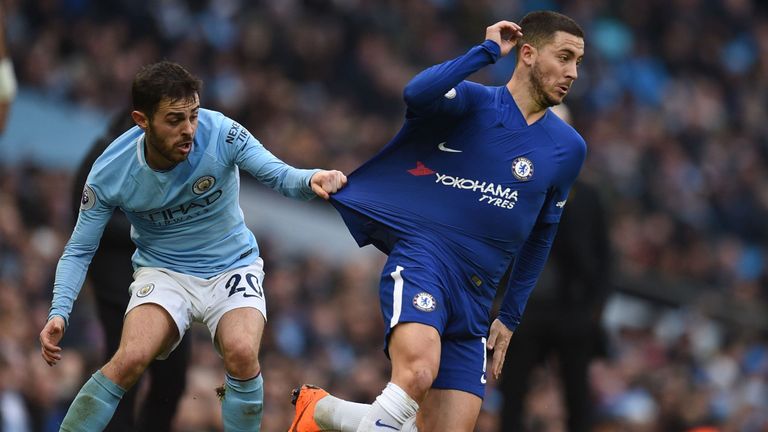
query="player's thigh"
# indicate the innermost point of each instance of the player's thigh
(148, 328)
(462, 366)
(237, 309)
(148, 332)
(240, 328)
(414, 348)
(162, 292)
(448, 410)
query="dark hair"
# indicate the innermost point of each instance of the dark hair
(162, 80)
(539, 27)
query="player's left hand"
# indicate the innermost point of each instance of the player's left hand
(498, 342)
(324, 183)
(506, 34)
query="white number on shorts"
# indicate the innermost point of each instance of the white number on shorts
(250, 279)
(485, 361)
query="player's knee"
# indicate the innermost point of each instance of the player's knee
(128, 364)
(417, 377)
(422, 378)
(241, 359)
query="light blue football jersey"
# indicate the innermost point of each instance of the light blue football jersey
(187, 219)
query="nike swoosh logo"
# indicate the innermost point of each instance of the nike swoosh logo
(384, 425)
(442, 147)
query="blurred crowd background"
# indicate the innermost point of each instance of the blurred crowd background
(672, 99)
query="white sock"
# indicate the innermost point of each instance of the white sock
(410, 425)
(392, 408)
(334, 414)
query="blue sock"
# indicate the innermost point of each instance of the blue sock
(94, 406)
(241, 407)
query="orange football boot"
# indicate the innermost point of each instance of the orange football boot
(305, 398)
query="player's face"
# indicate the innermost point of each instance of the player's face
(556, 68)
(171, 131)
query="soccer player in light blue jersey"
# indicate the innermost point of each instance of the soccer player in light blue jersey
(176, 177)
(474, 182)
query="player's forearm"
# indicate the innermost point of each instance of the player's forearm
(70, 275)
(434, 82)
(274, 173)
(78, 253)
(289, 181)
(292, 182)
(530, 262)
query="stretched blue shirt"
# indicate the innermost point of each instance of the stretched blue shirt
(187, 219)
(470, 180)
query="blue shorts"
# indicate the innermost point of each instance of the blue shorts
(417, 287)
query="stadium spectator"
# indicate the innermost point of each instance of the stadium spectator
(7, 75)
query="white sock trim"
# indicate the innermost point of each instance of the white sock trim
(410, 425)
(396, 402)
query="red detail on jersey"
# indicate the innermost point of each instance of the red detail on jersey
(420, 170)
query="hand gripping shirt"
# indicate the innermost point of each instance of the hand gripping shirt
(187, 219)
(468, 179)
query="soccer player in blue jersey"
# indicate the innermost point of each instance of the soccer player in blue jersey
(475, 181)
(176, 177)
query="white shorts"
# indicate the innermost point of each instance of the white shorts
(189, 298)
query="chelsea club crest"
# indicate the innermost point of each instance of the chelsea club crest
(522, 168)
(424, 302)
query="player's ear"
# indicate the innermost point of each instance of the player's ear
(141, 119)
(527, 54)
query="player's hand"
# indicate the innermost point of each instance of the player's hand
(505, 34)
(498, 342)
(324, 183)
(49, 340)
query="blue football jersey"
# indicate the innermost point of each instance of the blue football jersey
(466, 176)
(187, 219)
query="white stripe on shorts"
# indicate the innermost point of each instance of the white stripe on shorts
(397, 294)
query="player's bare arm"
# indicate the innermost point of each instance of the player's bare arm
(505, 34)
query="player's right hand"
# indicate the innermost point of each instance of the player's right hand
(49, 340)
(505, 34)
(324, 183)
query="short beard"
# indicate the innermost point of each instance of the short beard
(537, 89)
(156, 143)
